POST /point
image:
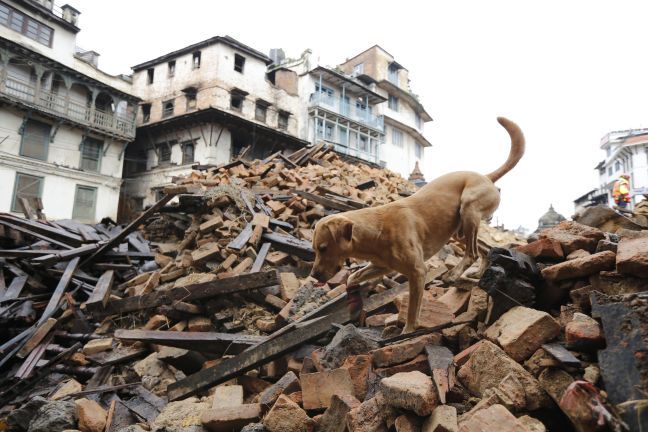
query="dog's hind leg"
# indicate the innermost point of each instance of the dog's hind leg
(470, 218)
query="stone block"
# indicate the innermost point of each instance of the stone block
(456, 299)
(287, 416)
(580, 267)
(360, 368)
(494, 418)
(404, 351)
(91, 415)
(70, 386)
(227, 396)
(584, 333)
(287, 384)
(229, 418)
(412, 391)
(632, 256)
(334, 418)
(443, 419)
(543, 248)
(408, 423)
(318, 387)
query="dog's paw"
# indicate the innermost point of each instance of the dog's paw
(408, 329)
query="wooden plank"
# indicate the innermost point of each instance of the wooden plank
(88, 233)
(59, 290)
(129, 228)
(241, 240)
(209, 342)
(254, 357)
(326, 202)
(193, 292)
(291, 245)
(101, 293)
(37, 337)
(43, 229)
(15, 288)
(27, 209)
(58, 256)
(260, 258)
(560, 353)
(25, 253)
(35, 234)
(137, 243)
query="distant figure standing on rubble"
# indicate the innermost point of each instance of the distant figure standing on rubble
(621, 192)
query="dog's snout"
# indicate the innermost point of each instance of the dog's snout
(318, 275)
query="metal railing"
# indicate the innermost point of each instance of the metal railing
(368, 153)
(346, 109)
(62, 105)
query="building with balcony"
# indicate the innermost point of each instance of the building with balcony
(64, 124)
(626, 152)
(202, 105)
(402, 113)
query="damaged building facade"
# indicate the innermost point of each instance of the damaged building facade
(64, 124)
(203, 105)
(626, 152)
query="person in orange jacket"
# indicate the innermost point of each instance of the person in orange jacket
(621, 191)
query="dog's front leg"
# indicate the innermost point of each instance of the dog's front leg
(416, 287)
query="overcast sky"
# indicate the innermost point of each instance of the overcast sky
(566, 71)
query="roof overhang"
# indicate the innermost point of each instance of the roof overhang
(411, 99)
(227, 40)
(349, 83)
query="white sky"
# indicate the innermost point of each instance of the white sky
(566, 71)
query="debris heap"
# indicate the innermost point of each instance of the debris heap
(200, 316)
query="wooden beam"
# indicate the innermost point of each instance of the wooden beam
(193, 292)
(59, 291)
(254, 357)
(15, 288)
(260, 258)
(40, 228)
(326, 202)
(101, 293)
(209, 342)
(291, 245)
(35, 234)
(241, 240)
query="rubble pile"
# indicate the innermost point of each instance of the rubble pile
(200, 316)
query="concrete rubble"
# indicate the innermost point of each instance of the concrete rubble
(202, 317)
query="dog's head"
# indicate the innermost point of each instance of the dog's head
(332, 245)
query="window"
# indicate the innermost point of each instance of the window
(610, 172)
(164, 153)
(150, 75)
(27, 186)
(342, 135)
(146, 113)
(417, 120)
(195, 62)
(328, 131)
(282, 120)
(358, 69)
(617, 166)
(418, 150)
(191, 95)
(608, 151)
(261, 111)
(35, 140)
(167, 108)
(392, 103)
(397, 137)
(236, 101)
(363, 143)
(239, 63)
(171, 71)
(91, 154)
(187, 153)
(26, 25)
(85, 199)
(392, 73)
(324, 90)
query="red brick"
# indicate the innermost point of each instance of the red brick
(580, 267)
(408, 423)
(360, 369)
(464, 355)
(543, 248)
(456, 299)
(573, 236)
(495, 418)
(419, 363)
(404, 351)
(443, 419)
(433, 312)
(521, 331)
(231, 418)
(318, 387)
(412, 391)
(632, 256)
(287, 416)
(584, 333)
(334, 418)
(370, 416)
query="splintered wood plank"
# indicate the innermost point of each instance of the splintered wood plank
(15, 288)
(260, 258)
(241, 240)
(291, 245)
(60, 290)
(209, 342)
(193, 292)
(254, 357)
(117, 239)
(45, 230)
(37, 337)
(326, 202)
(101, 293)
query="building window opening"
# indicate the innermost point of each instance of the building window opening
(239, 63)
(28, 187)
(167, 108)
(282, 120)
(164, 153)
(150, 75)
(392, 74)
(146, 113)
(35, 140)
(261, 111)
(392, 103)
(191, 95)
(418, 150)
(85, 200)
(236, 101)
(91, 154)
(188, 153)
(397, 137)
(195, 62)
(172, 66)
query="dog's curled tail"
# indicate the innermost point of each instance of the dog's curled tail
(517, 149)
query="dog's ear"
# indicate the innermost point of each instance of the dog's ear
(346, 229)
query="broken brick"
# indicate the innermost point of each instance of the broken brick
(318, 387)
(580, 267)
(404, 351)
(410, 390)
(287, 416)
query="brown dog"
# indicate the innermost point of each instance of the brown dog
(403, 234)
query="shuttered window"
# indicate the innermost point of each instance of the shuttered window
(35, 140)
(27, 186)
(91, 154)
(18, 21)
(85, 200)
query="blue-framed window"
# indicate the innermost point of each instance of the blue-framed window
(35, 140)
(26, 186)
(85, 201)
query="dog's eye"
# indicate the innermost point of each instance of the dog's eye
(322, 247)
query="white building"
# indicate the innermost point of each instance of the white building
(404, 115)
(64, 124)
(625, 152)
(202, 105)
